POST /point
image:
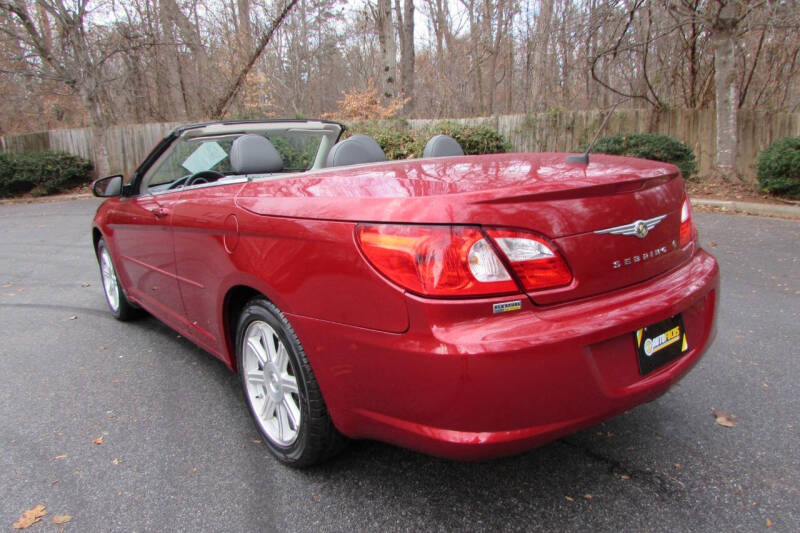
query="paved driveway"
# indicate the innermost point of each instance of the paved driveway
(178, 450)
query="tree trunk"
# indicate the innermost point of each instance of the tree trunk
(99, 125)
(385, 28)
(171, 70)
(406, 24)
(540, 65)
(190, 35)
(727, 90)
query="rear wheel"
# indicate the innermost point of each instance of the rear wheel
(118, 303)
(280, 388)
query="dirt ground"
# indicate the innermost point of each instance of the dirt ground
(719, 189)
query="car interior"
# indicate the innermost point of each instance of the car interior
(226, 153)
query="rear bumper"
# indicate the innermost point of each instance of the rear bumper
(466, 384)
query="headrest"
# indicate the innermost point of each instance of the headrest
(442, 146)
(254, 154)
(357, 149)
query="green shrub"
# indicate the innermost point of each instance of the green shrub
(399, 141)
(41, 173)
(653, 146)
(779, 167)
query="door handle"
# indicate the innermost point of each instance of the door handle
(160, 212)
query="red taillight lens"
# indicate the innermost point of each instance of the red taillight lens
(687, 227)
(436, 260)
(534, 262)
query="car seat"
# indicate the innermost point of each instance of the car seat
(355, 150)
(442, 146)
(254, 154)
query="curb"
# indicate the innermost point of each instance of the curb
(46, 199)
(749, 208)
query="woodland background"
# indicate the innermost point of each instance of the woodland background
(104, 63)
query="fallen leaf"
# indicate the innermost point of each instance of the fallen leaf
(569, 499)
(30, 517)
(60, 456)
(115, 461)
(624, 476)
(98, 440)
(256, 441)
(676, 465)
(723, 419)
(61, 518)
(769, 522)
(588, 496)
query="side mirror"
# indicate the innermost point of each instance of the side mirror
(108, 186)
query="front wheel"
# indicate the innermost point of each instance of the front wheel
(280, 388)
(118, 303)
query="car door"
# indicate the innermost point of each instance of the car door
(145, 253)
(144, 237)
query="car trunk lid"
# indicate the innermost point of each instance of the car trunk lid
(571, 205)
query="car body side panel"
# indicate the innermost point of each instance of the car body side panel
(142, 250)
(309, 268)
(315, 269)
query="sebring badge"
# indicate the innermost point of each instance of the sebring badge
(639, 228)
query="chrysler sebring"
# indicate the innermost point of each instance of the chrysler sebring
(465, 306)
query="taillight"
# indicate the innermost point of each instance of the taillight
(436, 260)
(686, 223)
(534, 262)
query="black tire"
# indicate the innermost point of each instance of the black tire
(315, 438)
(124, 309)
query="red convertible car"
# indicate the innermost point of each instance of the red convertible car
(463, 306)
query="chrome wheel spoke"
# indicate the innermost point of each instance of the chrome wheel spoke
(270, 340)
(257, 349)
(256, 377)
(292, 412)
(281, 358)
(289, 384)
(284, 430)
(268, 409)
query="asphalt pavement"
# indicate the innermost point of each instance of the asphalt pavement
(179, 452)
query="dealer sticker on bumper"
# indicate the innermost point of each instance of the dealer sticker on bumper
(660, 343)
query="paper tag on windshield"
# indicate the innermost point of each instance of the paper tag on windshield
(205, 157)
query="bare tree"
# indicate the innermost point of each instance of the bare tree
(68, 57)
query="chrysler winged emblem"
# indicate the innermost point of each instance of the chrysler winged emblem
(639, 228)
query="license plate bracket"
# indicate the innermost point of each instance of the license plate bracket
(660, 343)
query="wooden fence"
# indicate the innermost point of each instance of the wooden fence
(570, 131)
(127, 145)
(540, 132)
